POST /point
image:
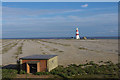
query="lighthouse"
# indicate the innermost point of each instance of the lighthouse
(77, 34)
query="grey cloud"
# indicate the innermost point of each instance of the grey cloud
(30, 21)
(96, 19)
(32, 12)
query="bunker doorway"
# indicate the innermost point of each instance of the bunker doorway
(33, 68)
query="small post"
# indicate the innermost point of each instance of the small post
(28, 68)
(38, 67)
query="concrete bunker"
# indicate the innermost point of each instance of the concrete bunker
(38, 63)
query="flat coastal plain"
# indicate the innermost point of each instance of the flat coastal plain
(69, 51)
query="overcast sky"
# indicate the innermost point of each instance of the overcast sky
(25, 20)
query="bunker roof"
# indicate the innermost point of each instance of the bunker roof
(39, 57)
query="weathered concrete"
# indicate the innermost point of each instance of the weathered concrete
(52, 63)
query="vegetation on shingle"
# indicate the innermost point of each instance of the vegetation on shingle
(88, 70)
(22, 72)
(82, 48)
(54, 49)
(19, 51)
(61, 51)
(55, 43)
(9, 73)
(109, 70)
(42, 73)
(8, 47)
(44, 53)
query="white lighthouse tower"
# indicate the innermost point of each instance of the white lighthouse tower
(77, 34)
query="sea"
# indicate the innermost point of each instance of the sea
(65, 38)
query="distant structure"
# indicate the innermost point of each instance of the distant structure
(38, 63)
(77, 34)
(84, 38)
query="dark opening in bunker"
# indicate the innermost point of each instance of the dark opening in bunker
(33, 68)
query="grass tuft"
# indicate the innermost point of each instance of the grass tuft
(82, 48)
